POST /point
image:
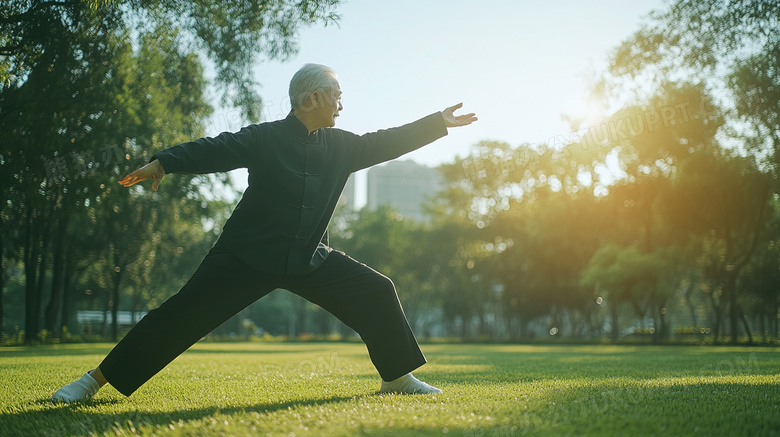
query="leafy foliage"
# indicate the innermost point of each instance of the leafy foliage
(88, 90)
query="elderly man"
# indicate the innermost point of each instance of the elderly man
(277, 238)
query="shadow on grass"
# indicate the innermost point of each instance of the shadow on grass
(105, 348)
(578, 364)
(79, 419)
(597, 408)
(54, 350)
(617, 405)
(307, 351)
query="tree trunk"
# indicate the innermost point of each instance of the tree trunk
(106, 309)
(689, 303)
(30, 271)
(52, 310)
(117, 276)
(41, 281)
(662, 329)
(483, 326)
(136, 306)
(300, 316)
(524, 328)
(718, 311)
(614, 314)
(38, 265)
(746, 326)
(66, 291)
(730, 287)
(2, 288)
(57, 283)
(692, 311)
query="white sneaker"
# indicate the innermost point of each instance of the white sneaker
(82, 389)
(408, 384)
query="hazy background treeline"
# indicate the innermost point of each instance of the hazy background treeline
(657, 218)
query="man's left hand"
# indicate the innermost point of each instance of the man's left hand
(452, 120)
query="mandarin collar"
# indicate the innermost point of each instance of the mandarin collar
(299, 129)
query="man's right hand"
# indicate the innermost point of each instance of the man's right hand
(154, 170)
(452, 120)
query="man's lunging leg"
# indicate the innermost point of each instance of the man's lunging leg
(221, 287)
(366, 301)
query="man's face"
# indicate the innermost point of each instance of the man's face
(328, 105)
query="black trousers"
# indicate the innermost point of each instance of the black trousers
(359, 296)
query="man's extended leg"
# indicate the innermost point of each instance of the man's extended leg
(221, 287)
(366, 301)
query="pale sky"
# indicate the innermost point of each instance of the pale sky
(519, 65)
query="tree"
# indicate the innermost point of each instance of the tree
(624, 275)
(85, 85)
(731, 46)
(538, 225)
(723, 198)
(731, 49)
(761, 278)
(232, 35)
(696, 38)
(756, 83)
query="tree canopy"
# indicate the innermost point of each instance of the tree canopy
(88, 91)
(232, 36)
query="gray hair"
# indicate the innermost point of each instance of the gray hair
(310, 78)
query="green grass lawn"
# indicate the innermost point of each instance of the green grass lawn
(329, 389)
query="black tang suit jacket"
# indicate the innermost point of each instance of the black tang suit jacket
(295, 180)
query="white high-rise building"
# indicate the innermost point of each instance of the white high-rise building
(404, 186)
(347, 198)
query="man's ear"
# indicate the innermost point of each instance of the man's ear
(315, 98)
(307, 103)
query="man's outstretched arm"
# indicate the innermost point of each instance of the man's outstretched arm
(386, 144)
(225, 152)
